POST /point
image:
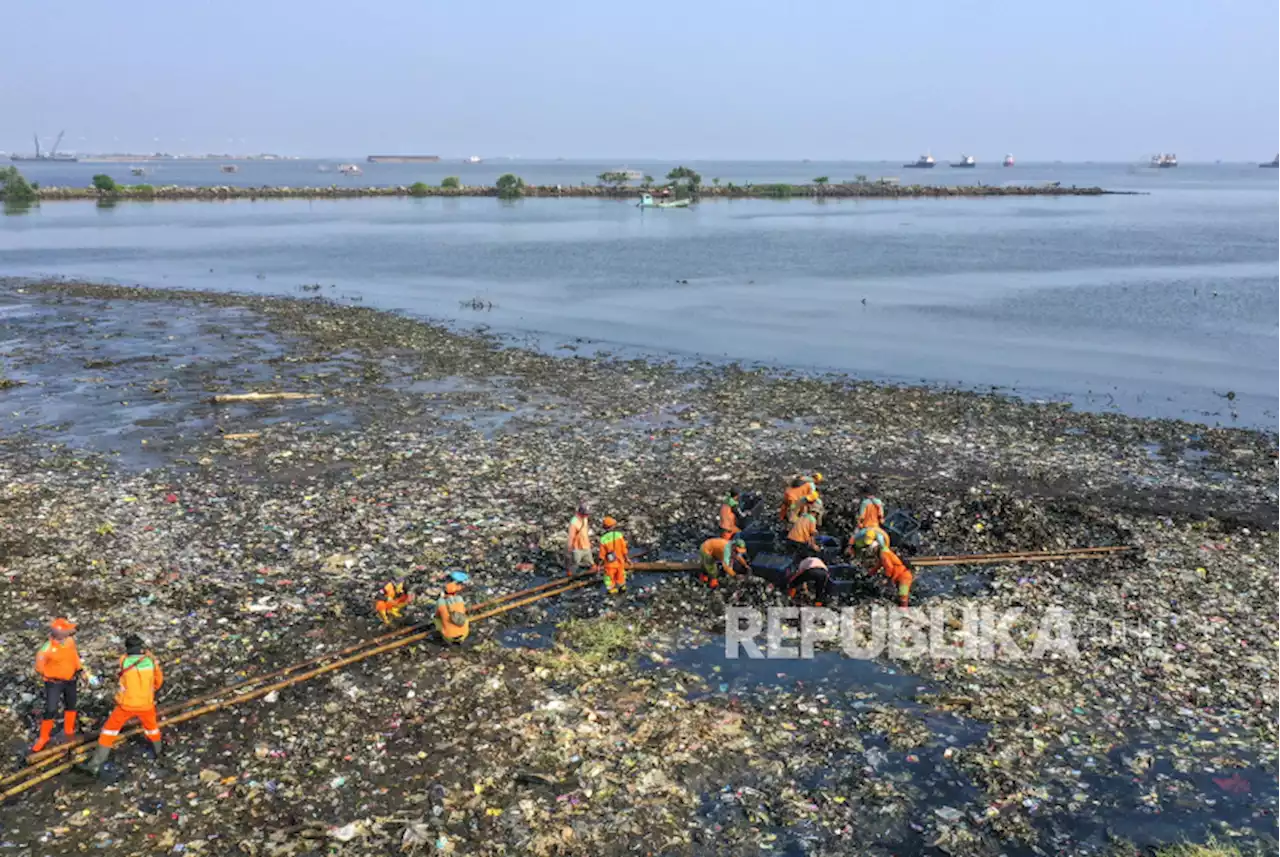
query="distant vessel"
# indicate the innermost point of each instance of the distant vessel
(926, 162)
(230, 168)
(1163, 162)
(403, 159)
(1008, 160)
(474, 159)
(138, 171)
(630, 175)
(966, 161)
(1272, 164)
(51, 155)
(349, 170)
(647, 201)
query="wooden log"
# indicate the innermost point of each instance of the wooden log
(228, 398)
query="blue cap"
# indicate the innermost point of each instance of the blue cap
(459, 577)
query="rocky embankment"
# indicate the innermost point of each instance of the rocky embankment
(866, 190)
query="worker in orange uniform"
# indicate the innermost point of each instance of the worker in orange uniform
(885, 560)
(871, 509)
(793, 498)
(727, 555)
(803, 537)
(614, 557)
(863, 538)
(139, 677)
(811, 574)
(394, 598)
(58, 664)
(579, 550)
(730, 525)
(451, 614)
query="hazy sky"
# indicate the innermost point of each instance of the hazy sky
(820, 79)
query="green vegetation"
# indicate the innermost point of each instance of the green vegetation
(142, 190)
(14, 187)
(780, 191)
(421, 188)
(451, 182)
(613, 179)
(510, 186)
(597, 639)
(860, 178)
(648, 182)
(105, 183)
(716, 182)
(820, 181)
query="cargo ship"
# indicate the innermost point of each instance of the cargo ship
(966, 161)
(403, 159)
(1008, 160)
(1164, 162)
(925, 162)
(1272, 164)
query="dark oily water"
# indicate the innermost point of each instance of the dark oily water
(1159, 305)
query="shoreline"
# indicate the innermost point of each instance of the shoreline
(869, 190)
(256, 534)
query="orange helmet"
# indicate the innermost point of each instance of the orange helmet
(610, 522)
(62, 625)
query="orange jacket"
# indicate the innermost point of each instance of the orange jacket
(613, 550)
(140, 678)
(791, 501)
(870, 513)
(58, 660)
(893, 567)
(452, 603)
(728, 520)
(804, 530)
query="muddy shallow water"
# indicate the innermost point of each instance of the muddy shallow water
(125, 506)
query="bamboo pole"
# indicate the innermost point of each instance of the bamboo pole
(228, 398)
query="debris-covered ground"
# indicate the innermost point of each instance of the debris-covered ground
(239, 538)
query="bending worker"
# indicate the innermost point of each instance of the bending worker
(793, 498)
(451, 614)
(864, 537)
(58, 664)
(811, 572)
(579, 550)
(395, 597)
(140, 677)
(729, 556)
(885, 560)
(730, 522)
(614, 557)
(802, 540)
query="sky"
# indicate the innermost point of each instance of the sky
(699, 79)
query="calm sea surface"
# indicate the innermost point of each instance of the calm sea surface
(1157, 305)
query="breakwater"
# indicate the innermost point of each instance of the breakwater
(867, 190)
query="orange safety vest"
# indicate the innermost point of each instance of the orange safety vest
(58, 660)
(893, 567)
(870, 513)
(452, 604)
(791, 501)
(804, 529)
(579, 534)
(140, 678)
(728, 520)
(613, 551)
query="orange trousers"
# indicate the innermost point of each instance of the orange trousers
(121, 716)
(615, 576)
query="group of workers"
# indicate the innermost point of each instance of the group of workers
(612, 558)
(138, 677)
(450, 616)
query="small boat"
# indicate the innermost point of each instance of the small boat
(629, 174)
(1272, 164)
(230, 168)
(474, 159)
(349, 170)
(138, 171)
(966, 161)
(1164, 162)
(925, 162)
(1008, 160)
(647, 201)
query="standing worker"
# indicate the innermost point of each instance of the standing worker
(451, 614)
(395, 597)
(730, 521)
(886, 561)
(58, 664)
(802, 540)
(727, 555)
(140, 677)
(871, 509)
(614, 557)
(792, 498)
(579, 552)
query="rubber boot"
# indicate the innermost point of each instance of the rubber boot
(93, 767)
(156, 748)
(69, 723)
(46, 730)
